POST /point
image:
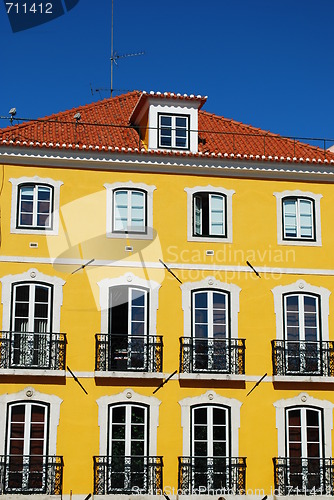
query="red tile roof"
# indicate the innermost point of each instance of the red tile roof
(104, 125)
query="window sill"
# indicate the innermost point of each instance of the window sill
(300, 243)
(303, 378)
(29, 372)
(211, 239)
(212, 376)
(129, 375)
(132, 236)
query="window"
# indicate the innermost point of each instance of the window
(128, 328)
(35, 205)
(173, 131)
(129, 210)
(210, 311)
(304, 446)
(209, 213)
(28, 438)
(302, 333)
(128, 339)
(31, 338)
(128, 438)
(30, 342)
(298, 218)
(210, 343)
(302, 344)
(210, 459)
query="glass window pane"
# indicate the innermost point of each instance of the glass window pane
(201, 299)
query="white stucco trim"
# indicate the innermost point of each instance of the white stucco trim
(173, 107)
(128, 396)
(304, 400)
(301, 286)
(228, 193)
(129, 279)
(149, 210)
(210, 398)
(31, 276)
(210, 283)
(29, 394)
(55, 210)
(317, 218)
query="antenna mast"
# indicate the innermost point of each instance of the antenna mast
(112, 44)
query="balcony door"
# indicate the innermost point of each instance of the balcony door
(305, 450)
(210, 330)
(128, 448)
(302, 334)
(26, 448)
(128, 328)
(210, 448)
(31, 325)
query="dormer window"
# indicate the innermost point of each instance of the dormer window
(173, 131)
(168, 121)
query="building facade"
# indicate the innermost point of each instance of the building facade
(166, 305)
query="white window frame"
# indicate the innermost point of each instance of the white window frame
(210, 283)
(29, 394)
(210, 398)
(303, 400)
(132, 397)
(16, 184)
(132, 281)
(31, 276)
(129, 192)
(227, 194)
(303, 427)
(301, 241)
(130, 186)
(128, 439)
(31, 304)
(173, 129)
(301, 287)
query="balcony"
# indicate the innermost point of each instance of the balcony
(304, 476)
(303, 358)
(131, 475)
(212, 475)
(120, 353)
(33, 350)
(225, 356)
(23, 474)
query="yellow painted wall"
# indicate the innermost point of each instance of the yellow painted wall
(83, 213)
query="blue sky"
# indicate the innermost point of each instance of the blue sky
(268, 63)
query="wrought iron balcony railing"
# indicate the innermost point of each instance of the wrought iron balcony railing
(35, 350)
(212, 355)
(303, 358)
(132, 475)
(304, 476)
(28, 474)
(128, 352)
(212, 475)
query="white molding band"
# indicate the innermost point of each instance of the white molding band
(210, 398)
(301, 286)
(55, 209)
(28, 395)
(228, 193)
(149, 189)
(317, 218)
(132, 397)
(31, 276)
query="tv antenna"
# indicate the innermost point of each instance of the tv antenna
(114, 55)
